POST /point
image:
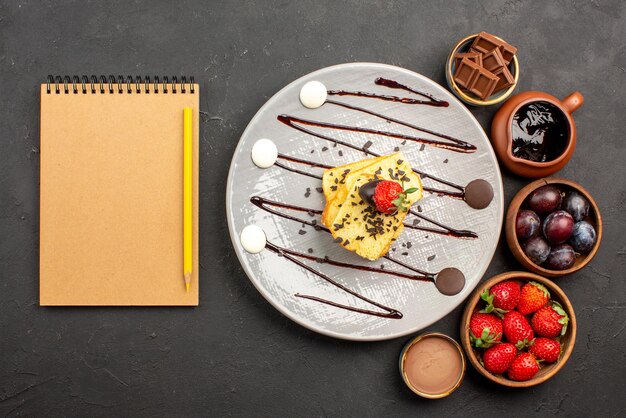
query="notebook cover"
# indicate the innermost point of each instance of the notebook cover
(111, 208)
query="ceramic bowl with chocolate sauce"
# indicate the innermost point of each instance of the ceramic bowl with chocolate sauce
(566, 341)
(534, 134)
(583, 212)
(464, 92)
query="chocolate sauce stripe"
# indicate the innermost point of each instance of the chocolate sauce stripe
(391, 315)
(425, 276)
(391, 312)
(287, 121)
(456, 195)
(465, 145)
(392, 84)
(369, 131)
(458, 233)
(385, 97)
(261, 203)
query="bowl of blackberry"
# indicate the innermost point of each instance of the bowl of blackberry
(553, 227)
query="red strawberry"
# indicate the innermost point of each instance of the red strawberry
(545, 349)
(534, 297)
(517, 330)
(485, 329)
(386, 196)
(524, 367)
(502, 297)
(498, 358)
(550, 321)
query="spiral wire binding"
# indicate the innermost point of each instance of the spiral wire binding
(128, 84)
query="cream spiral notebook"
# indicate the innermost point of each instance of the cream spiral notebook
(111, 207)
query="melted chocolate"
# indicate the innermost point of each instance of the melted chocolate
(450, 281)
(390, 313)
(466, 146)
(440, 192)
(264, 204)
(291, 121)
(385, 97)
(424, 276)
(457, 233)
(395, 85)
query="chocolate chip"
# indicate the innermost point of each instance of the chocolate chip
(419, 208)
(405, 253)
(409, 245)
(302, 232)
(338, 240)
(445, 161)
(340, 153)
(422, 147)
(431, 258)
(319, 189)
(396, 149)
(310, 250)
(416, 221)
(324, 149)
(367, 145)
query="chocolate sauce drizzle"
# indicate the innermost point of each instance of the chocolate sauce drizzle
(424, 277)
(289, 121)
(459, 146)
(465, 146)
(395, 85)
(390, 313)
(440, 192)
(446, 230)
(267, 205)
(432, 101)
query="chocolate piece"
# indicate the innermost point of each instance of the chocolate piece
(483, 84)
(450, 281)
(486, 42)
(477, 57)
(493, 60)
(507, 51)
(478, 194)
(466, 73)
(505, 79)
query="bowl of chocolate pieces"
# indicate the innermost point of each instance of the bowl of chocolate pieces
(482, 69)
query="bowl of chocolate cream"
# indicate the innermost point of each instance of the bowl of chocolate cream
(534, 133)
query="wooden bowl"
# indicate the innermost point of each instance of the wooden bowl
(594, 219)
(567, 341)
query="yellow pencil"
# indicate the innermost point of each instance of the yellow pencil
(187, 196)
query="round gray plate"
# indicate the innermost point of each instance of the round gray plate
(278, 279)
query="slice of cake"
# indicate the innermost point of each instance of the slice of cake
(377, 199)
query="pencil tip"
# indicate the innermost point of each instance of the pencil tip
(187, 281)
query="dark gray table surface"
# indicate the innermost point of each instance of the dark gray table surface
(235, 354)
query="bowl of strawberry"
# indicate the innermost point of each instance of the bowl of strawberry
(553, 227)
(518, 329)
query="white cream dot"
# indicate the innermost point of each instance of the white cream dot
(264, 153)
(253, 239)
(313, 94)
